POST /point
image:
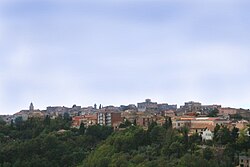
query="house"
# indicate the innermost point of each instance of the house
(244, 161)
(87, 120)
(199, 124)
(130, 115)
(242, 124)
(23, 116)
(168, 113)
(207, 134)
(144, 121)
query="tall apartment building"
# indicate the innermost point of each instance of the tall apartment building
(109, 119)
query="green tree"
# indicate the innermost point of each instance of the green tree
(234, 134)
(82, 129)
(126, 124)
(213, 113)
(151, 126)
(2, 122)
(119, 160)
(243, 140)
(47, 120)
(157, 135)
(168, 123)
(207, 153)
(223, 136)
(184, 131)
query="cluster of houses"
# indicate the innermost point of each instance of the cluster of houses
(192, 115)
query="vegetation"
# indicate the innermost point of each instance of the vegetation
(45, 143)
(51, 142)
(213, 113)
(161, 147)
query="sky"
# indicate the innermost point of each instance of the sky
(113, 52)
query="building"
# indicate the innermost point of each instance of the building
(191, 107)
(130, 115)
(168, 113)
(206, 109)
(144, 121)
(180, 122)
(37, 114)
(57, 110)
(31, 107)
(244, 161)
(87, 120)
(22, 116)
(166, 107)
(147, 106)
(113, 119)
(227, 111)
(199, 124)
(207, 134)
(242, 124)
(129, 107)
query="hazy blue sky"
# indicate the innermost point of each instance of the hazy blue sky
(58, 52)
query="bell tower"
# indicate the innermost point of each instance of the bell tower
(31, 107)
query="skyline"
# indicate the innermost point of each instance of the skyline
(111, 53)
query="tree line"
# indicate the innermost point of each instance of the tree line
(52, 142)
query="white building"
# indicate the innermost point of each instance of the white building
(207, 135)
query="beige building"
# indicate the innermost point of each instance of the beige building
(198, 124)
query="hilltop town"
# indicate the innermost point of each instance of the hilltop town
(197, 117)
(147, 134)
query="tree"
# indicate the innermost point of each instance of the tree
(47, 120)
(126, 124)
(207, 153)
(66, 116)
(234, 134)
(223, 136)
(119, 160)
(184, 131)
(243, 140)
(134, 122)
(99, 132)
(2, 122)
(213, 113)
(82, 129)
(151, 126)
(176, 149)
(157, 135)
(168, 123)
(216, 130)
(19, 122)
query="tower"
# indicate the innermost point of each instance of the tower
(31, 107)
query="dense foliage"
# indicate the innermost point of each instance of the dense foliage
(47, 143)
(51, 142)
(162, 146)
